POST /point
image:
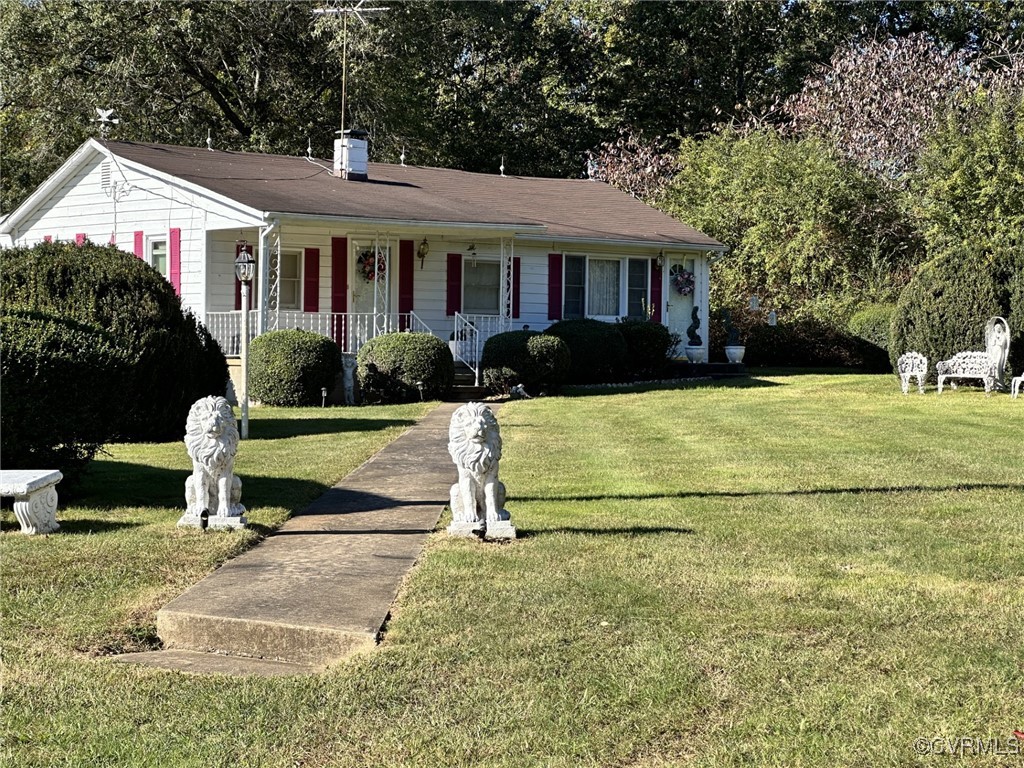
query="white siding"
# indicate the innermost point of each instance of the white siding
(148, 204)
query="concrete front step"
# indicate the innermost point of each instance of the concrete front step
(200, 663)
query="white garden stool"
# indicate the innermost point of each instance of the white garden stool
(35, 497)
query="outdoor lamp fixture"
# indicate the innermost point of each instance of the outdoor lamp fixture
(245, 270)
(422, 251)
(245, 264)
(661, 259)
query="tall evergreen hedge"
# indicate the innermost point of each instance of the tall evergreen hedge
(944, 308)
(172, 360)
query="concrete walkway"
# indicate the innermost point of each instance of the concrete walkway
(320, 587)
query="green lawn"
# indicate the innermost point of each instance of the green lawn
(796, 570)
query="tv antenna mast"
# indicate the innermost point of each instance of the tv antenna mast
(357, 10)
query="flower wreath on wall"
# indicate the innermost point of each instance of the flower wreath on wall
(682, 281)
(372, 268)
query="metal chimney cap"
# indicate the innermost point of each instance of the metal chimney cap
(356, 133)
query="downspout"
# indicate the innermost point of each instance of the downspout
(261, 327)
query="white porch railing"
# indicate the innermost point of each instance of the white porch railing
(471, 333)
(349, 330)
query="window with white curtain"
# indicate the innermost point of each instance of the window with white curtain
(603, 287)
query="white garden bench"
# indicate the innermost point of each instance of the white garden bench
(968, 365)
(910, 365)
(35, 497)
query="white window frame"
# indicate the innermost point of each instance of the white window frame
(497, 286)
(151, 241)
(298, 254)
(623, 302)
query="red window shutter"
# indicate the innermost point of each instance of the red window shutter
(339, 274)
(554, 286)
(174, 269)
(311, 281)
(405, 281)
(80, 238)
(238, 283)
(517, 272)
(140, 245)
(454, 283)
(656, 290)
(47, 238)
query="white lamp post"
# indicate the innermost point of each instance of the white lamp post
(245, 269)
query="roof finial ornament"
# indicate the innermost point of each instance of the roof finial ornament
(209, 140)
(103, 117)
(402, 156)
(309, 148)
(502, 166)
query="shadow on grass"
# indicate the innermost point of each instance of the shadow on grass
(276, 429)
(736, 382)
(91, 525)
(111, 484)
(634, 531)
(803, 492)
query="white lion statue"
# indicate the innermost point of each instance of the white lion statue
(478, 499)
(211, 438)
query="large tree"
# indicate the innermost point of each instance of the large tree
(249, 73)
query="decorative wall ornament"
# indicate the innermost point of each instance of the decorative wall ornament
(910, 365)
(372, 265)
(212, 492)
(478, 498)
(681, 279)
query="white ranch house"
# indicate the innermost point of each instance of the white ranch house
(464, 253)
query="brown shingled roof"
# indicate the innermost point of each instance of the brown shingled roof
(567, 208)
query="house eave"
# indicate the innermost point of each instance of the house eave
(511, 229)
(670, 245)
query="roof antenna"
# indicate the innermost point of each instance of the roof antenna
(209, 141)
(103, 117)
(402, 156)
(502, 167)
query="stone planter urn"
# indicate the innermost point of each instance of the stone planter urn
(734, 354)
(694, 354)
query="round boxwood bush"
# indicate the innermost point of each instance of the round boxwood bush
(290, 368)
(538, 362)
(944, 307)
(58, 385)
(174, 359)
(647, 347)
(402, 367)
(598, 350)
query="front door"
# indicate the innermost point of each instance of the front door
(680, 290)
(370, 291)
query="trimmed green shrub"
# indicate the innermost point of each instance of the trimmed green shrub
(801, 342)
(871, 325)
(393, 367)
(290, 368)
(944, 308)
(647, 346)
(174, 361)
(537, 361)
(598, 351)
(59, 388)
